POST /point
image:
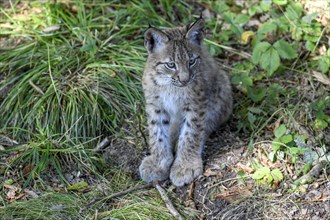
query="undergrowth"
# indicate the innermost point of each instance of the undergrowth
(70, 75)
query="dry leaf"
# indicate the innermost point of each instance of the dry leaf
(245, 168)
(290, 169)
(319, 198)
(246, 37)
(235, 193)
(27, 170)
(264, 160)
(51, 29)
(209, 172)
(13, 193)
(322, 78)
(303, 188)
(10, 187)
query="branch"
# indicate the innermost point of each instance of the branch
(102, 145)
(168, 202)
(117, 194)
(313, 173)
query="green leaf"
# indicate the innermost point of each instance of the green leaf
(265, 5)
(251, 118)
(275, 145)
(242, 78)
(255, 110)
(285, 50)
(280, 2)
(219, 7)
(90, 46)
(9, 181)
(254, 9)
(309, 45)
(324, 64)
(270, 60)
(293, 11)
(256, 94)
(258, 50)
(277, 175)
(241, 19)
(296, 150)
(321, 124)
(77, 186)
(234, 26)
(260, 173)
(286, 139)
(269, 178)
(267, 27)
(280, 131)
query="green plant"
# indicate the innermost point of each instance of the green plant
(266, 176)
(322, 118)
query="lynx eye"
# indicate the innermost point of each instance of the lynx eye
(170, 65)
(192, 62)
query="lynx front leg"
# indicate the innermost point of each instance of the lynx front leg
(156, 166)
(188, 163)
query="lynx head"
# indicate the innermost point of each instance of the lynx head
(175, 54)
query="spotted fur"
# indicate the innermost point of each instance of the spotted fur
(187, 97)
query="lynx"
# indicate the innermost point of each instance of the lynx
(187, 97)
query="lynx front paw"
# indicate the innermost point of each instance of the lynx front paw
(151, 169)
(185, 172)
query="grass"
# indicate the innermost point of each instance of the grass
(48, 206)
(70, 75)
(70, 79)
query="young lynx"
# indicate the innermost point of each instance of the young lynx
(187, 97)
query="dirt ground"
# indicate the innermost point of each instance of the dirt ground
(220, 194)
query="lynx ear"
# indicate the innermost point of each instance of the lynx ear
(195, 32)
(154, 39)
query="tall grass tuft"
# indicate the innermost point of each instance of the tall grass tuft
(79, 81)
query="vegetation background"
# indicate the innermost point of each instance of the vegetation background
(72, 125)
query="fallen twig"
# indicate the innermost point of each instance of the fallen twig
(190, 202)
(6, 141)
(36, 87)
(168, 202)
(118, 194)
(312, 174)
(102, 145)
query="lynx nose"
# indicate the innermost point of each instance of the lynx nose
(184, 82)
(184, 78)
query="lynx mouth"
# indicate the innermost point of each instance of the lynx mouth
(181, 84)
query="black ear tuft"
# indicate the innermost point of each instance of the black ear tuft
(154, 39)
(195, 32)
